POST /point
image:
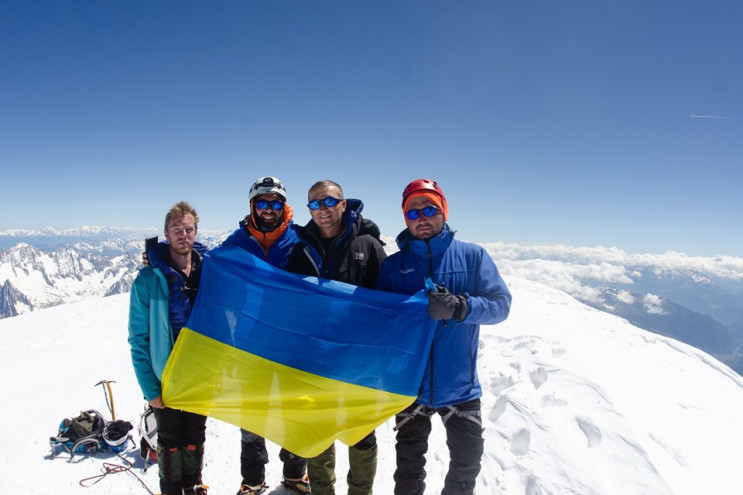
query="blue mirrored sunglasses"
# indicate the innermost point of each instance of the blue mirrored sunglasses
(428, 211)
(263, 204)
(329, 202)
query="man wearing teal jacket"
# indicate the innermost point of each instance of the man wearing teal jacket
(161, 299)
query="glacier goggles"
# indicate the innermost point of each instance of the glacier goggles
(264, 204)
(330, 202)
(429, 211)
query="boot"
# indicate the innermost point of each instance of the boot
(195, 490)
(252, 490)
(300, 485)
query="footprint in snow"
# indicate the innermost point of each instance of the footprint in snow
(590, 430)
(538, 377)
(520, 442)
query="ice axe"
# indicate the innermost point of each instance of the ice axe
(108, 394)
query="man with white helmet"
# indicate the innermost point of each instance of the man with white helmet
(269, 233)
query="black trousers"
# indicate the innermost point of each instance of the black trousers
(180, 446)
(176, 428)
(254, 457)
(464, 438)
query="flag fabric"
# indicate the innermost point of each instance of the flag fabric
(298, 360)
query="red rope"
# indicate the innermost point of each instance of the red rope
(109, 468)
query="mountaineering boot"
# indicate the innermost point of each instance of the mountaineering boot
(299, 485)
(195, 490)
(252, 490)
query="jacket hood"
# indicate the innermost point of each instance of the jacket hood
(405, 239)
(353, 222)
(158, 254)
(267, 237)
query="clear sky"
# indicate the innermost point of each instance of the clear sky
(579, 122)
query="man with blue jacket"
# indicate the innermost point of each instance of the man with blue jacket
(161, 299)
(268, 233)
(465, 291)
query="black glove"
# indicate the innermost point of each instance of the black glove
(443, 305)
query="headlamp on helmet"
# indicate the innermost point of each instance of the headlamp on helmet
(267, 185)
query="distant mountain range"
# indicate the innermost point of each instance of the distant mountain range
(696, 300)
(44, 268)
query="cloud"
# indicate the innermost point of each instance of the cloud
(626, 297)
(714, 117)
(609, 265)
(653, 304)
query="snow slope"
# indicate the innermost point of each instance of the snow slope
(576, 401)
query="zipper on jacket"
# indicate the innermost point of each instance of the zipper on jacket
(431, 381)
(430, 259)
(430, 275)
(308, 253)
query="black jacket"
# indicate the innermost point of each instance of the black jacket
(353, 257)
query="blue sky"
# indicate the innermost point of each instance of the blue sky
(578, 122)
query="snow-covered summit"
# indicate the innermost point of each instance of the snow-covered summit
(575, 401)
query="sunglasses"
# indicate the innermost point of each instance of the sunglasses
(329, 202)
(428, 211)
(263, 204)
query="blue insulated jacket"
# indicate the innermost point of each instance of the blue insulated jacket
(463, 268)
(277, 254)
(157, 307)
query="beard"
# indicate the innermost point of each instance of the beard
(267, 226)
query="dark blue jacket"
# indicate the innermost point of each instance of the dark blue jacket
(179, 304)
(277, 254)
(353, 257)
(463, 268)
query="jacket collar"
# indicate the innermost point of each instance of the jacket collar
(350, 220)
(437, 244)
(268, 238)
(158, 255)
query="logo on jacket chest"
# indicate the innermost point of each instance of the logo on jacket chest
(358, 256)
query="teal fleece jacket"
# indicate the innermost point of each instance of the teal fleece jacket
(150, 334)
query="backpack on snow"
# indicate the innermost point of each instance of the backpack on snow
(80, 435)
(89, 433)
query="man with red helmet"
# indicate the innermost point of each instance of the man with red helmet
(465, 291)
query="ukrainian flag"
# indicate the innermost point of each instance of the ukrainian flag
(298, 360)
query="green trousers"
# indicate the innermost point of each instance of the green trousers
(362, 460)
